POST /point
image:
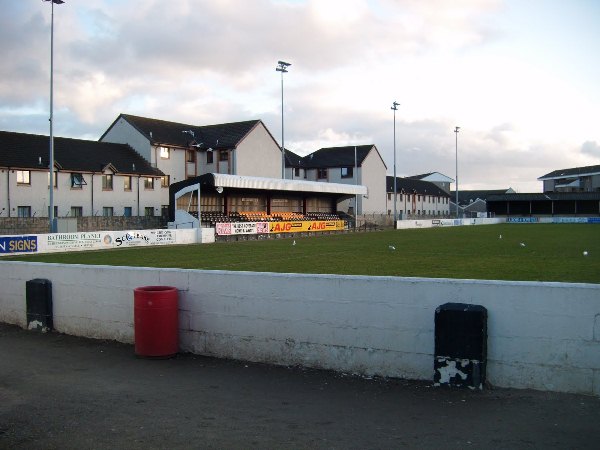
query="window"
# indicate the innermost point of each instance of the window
(164, 211)
(149, 211)
(389, 196)
(127, 211)
(23, 178)
(107, 182)
(77, 181)
(148, 183)
(126, 183)
(400, 197)
(164, 181)
(347, 172)
(55, 211)
(296, 171)
(209, 157)
(24, 211)
(321, 174)
(223, 155)
(191, 156)
(164, 153)
(76, 211)
(107, 211)
(55, 178)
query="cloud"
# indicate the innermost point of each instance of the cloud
(591, 148)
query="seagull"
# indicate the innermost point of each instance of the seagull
(294, 243)
(391, 247)
(522, 244)
(500, 237)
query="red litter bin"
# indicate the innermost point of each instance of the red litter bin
(156, 321)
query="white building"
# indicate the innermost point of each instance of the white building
(183, 151)
(416, 197)
(90, 178)
(361, 165)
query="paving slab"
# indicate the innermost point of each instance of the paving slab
(64, 392)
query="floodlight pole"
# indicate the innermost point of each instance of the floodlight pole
(51, 157)
(282, 67)
(456, 129)
(395, 108)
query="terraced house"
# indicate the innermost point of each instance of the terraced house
(90, 178)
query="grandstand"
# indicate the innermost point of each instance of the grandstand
(219, 198)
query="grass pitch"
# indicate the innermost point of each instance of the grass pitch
(550, 252)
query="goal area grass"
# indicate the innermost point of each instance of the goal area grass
(519, 252)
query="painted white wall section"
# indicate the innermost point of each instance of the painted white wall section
(540, 335)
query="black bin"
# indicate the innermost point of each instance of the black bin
(38, 294)
(460, 357)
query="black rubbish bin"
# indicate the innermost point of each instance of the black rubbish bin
(460, 357)
(38, 296)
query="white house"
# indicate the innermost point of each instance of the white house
(361, 165)
(184, 151)
(416, 197)
(90, 178)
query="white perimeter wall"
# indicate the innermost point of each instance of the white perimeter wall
(540, 335)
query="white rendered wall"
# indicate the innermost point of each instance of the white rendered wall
(540, 335)
(258, 155)
(372, 175)
(122, 132)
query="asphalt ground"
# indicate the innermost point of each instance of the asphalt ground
(63, 392)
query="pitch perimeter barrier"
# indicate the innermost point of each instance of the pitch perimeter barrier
(543, 336)
(98, 240)
(235, 228)
(431, 223)
(553, 220)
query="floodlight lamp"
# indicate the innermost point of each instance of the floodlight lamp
(282, 66)
(395, 106)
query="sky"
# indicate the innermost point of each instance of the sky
(521, 78)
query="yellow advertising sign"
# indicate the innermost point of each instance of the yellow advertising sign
(297, 227)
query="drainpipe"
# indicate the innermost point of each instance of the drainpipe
(92, 183)
(8, 189)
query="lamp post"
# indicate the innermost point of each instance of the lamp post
(395, 108)
(196, 145)
(51, 159)
(456, 132)
(282, 67)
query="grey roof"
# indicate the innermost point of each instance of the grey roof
(292, 159)
(219, 136)
(414, 186)
(21, 150)
(571, 173)
(337, 157)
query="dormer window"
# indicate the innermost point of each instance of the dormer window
(107, 182)
(165, 153)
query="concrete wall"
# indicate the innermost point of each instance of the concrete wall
(541, 335)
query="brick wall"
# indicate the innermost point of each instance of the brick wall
(40, 225)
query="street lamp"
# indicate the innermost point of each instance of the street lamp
(395, 108)
(282, 67)
(51, 162)
(456, 132)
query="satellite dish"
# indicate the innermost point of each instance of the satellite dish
(220, 189)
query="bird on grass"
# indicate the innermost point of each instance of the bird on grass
(391, 247)
(522, 244)
(294, 243)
